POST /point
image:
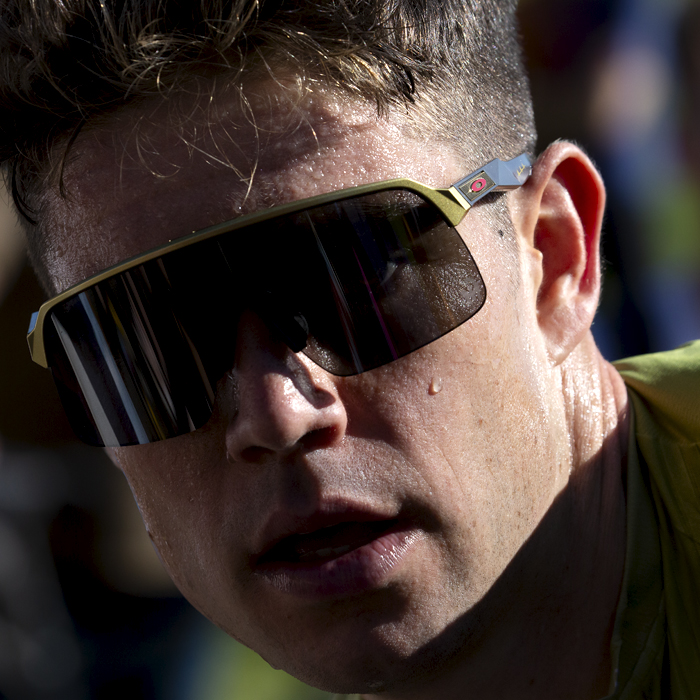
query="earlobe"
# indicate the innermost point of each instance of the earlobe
(560, 217)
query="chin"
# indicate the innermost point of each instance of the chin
(380, 659)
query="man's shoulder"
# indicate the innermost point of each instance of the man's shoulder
(664, 391)
(665, 386)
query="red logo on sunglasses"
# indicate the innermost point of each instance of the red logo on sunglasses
(476, 187)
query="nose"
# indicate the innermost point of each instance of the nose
(282, 401)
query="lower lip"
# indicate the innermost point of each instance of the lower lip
(359, 570)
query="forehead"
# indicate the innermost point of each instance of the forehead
(160, 171)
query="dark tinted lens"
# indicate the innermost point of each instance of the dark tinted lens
(391, 277)
(133, 357)
(370, 279)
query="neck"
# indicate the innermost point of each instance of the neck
(544, 629)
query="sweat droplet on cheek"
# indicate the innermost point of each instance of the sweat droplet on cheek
(435, 386)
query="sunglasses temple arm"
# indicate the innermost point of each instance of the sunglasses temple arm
(511, 174)
(496, 176)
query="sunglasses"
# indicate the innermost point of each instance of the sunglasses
(353, 279)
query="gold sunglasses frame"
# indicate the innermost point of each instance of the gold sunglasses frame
(453, 202)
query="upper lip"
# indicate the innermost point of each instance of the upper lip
(281, 525)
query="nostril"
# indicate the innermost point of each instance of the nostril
(251, 455)
(313, 440)
(321, 437)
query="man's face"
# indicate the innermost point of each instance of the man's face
(344, 528)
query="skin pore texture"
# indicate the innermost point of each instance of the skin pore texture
(506, 482)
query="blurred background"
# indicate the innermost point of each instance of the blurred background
(86, 610)
(622, 78)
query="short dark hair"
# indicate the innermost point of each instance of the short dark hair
(66, 63)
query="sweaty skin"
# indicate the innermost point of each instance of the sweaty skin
(502, 572)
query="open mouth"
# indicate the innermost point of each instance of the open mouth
(327, 543)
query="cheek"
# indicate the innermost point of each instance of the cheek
(469, 414)
(181, 490)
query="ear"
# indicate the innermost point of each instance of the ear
(558, 216)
